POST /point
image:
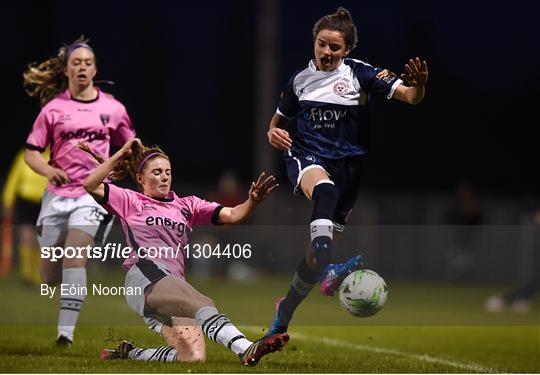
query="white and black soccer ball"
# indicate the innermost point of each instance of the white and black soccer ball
(363, 293)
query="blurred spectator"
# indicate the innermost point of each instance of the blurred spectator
(465, 215)
(21, 203)
(520, 298)
(228, 194)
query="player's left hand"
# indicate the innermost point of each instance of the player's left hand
(416, 72)
(261, 189)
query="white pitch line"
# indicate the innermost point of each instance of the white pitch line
(419, 357)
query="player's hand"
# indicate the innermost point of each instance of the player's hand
(416, 72)
(129, 146)
(57, 176)
(279, 138)
(261, 189)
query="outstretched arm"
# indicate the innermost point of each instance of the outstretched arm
(416, 74)
(94, 182)
(257, 193)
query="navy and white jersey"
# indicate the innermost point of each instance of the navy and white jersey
(330, 107)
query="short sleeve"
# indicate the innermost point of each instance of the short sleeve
(40, 135)
(124, 129)
(118, 201)
(204, 212)
(288, 105)
(370, 84)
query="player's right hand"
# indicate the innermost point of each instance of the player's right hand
(279, 138)
(128, 147)
(57, 176)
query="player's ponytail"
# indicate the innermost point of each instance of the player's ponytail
(120, 170)
(131, 164)
(341, 21)
(47, 79)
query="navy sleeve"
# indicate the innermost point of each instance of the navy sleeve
(288, 104)
(369, 83)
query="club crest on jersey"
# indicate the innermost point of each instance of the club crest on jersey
(340, 88)
(104, 118)
(186, 213)
(147, 206)
(63, 119)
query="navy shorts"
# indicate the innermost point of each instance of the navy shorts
(345, 173)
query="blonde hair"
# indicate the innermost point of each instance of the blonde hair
(46, 80)
(131, 164)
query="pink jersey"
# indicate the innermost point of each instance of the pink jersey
(65, 122)
(166, 223)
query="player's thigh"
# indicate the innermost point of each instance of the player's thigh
(78, 240)
(172, 296)
(310, 178)
(187, 338)
(88, 216)
(51, 228)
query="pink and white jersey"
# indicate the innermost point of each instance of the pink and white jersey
(65, 122)
(166, 223)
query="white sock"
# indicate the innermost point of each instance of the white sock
(218, 327)
(161, 354)
(74, 280)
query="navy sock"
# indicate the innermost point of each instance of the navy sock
(304, 280)
(325, 197)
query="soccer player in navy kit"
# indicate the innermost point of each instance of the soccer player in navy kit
(323, 149)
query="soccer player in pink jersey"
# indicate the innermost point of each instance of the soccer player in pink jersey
(156, 217)
(73, 110)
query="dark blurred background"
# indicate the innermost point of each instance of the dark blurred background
(202, 80)
(189, 76)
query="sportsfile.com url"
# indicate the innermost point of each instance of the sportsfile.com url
(118, 251)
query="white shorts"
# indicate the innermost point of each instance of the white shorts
(59, 214)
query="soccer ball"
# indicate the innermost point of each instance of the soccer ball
(363, 293)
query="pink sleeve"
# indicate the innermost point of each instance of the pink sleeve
(204, 212)
(124, 129)
(118, 201)
(40, 135)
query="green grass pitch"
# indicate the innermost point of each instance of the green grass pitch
(424, 328)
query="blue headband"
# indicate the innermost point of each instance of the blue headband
(74, 47)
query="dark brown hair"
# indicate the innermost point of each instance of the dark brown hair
(341, 21)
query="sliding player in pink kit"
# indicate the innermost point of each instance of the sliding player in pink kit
(157, 217)
(73, 110)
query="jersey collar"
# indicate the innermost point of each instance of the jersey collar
(313, 67)
(68, 93)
